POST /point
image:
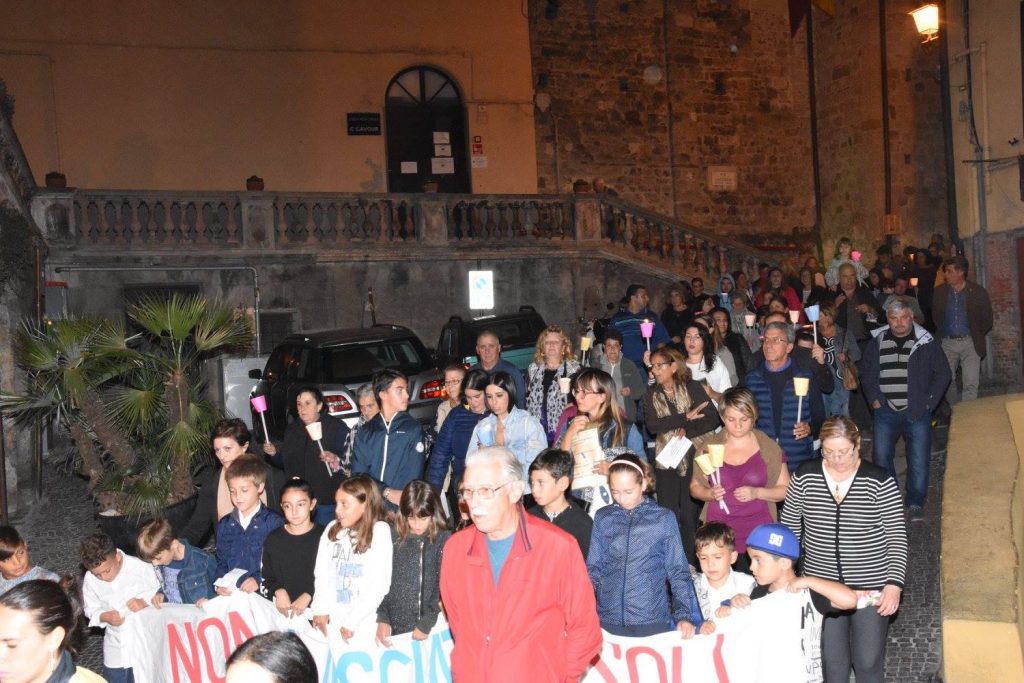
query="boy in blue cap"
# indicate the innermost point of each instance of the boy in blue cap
(774, 551)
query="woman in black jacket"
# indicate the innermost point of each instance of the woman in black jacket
(678, 406)
(300, 456)
(230, 439)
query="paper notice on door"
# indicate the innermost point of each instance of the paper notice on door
(442, 150)
(587, 452)
(674, 452)
(441, 138)
(442, 166)
(410, 167)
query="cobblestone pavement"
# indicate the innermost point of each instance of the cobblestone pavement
(54, 526)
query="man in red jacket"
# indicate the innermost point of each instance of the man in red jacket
(515, 588)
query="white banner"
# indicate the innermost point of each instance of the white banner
(186, 644)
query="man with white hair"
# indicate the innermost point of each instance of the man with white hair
(904, 375)
(515, 588)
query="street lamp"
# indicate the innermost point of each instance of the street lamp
(926, 17)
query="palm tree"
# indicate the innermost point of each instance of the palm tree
(161, 401)
(67, 363)
(133, 405)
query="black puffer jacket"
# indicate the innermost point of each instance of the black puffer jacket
(415, 595)
(299, 456)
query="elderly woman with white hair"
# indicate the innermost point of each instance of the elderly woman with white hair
(550, 632)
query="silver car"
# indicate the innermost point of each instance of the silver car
(338, 362)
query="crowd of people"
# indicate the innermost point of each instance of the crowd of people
(692, 463)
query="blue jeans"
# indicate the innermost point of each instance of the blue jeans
(118, 675)
(838, 402)
(917, 436)
(323, 514)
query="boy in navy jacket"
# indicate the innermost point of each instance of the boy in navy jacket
(241, 533)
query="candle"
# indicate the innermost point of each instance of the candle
(855, 255)
(716, 452)
(913, 282)
(801, 385)
(813, 313)
(647, 330)
(794, 317)
(585, 343)
(749, 318)
(259, 404)
(316, 432)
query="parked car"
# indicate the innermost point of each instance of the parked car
(517, 333)
(338, 362)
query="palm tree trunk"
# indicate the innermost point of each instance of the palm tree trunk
(91, 462)
(106, 432)
(176, 398)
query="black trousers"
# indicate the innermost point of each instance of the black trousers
(673, 492)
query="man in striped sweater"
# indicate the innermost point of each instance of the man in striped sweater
(904, 375)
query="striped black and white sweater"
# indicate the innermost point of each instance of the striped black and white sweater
(860, 542)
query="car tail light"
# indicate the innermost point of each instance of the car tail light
(433, 389)
(336, 403)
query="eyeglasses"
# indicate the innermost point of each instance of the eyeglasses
(584, 392)
(661, 364)
(835, 455)
(483, 492)
(772, 341)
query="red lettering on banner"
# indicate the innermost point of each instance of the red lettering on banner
(201, 630)
(177, 650)
(677, 664)
(634, 653)
(723, 675)
(240, 631)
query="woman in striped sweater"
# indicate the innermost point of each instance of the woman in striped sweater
(848, 515)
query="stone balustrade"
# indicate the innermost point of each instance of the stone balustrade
(131, 222)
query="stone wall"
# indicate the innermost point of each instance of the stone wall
(649, 94)
(649, 100)
(848, 67)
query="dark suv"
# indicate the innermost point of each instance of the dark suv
(517, 333)
(338, 361)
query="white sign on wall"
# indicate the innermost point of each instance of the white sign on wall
(481, 289)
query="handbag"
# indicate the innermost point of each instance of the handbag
(851, 376)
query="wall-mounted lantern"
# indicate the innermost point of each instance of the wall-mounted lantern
(926, 17)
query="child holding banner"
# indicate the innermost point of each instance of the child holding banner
(774, 551)
(353, 562)
(289, 553)
(718, 583)
(639, 535)
(188, 573)
(419, 533)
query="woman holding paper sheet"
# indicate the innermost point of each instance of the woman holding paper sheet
(677, 406)
(230, 439)
(594, 392)
(319, 463)
(752, 478)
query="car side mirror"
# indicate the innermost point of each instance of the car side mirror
(256, 374)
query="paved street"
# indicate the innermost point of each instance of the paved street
(54, 527)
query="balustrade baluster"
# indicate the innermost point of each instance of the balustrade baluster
(233, 225)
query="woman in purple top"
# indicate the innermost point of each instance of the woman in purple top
(753, 478)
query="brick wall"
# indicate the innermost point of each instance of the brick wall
(733, 90)
(1002, 277)
(733, 85)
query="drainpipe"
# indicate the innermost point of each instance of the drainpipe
(952, 220)
(812, 98)
(884, 58)
(179, 269)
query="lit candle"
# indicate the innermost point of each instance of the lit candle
(647, 330)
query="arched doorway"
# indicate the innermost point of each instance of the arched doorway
(426, 132)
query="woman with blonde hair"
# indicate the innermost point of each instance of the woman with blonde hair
(677, 406)
(753, 478)
(553, 360)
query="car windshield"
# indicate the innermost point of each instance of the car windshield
(515, 333)
(357, 363)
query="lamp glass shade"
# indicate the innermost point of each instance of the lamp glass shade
(926, 18)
